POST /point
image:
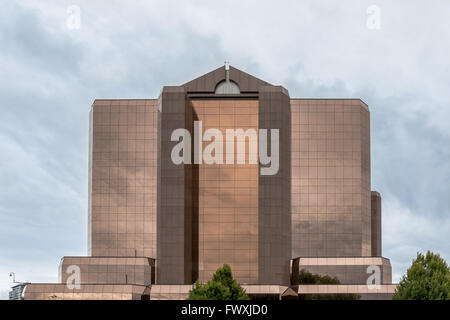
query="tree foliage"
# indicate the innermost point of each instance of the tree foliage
(306, 277)
(428, 278)
(222, 286)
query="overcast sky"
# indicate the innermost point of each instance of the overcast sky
(50, 73)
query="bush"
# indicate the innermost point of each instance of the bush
(222, 286)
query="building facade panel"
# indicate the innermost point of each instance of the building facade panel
(228, 193)
(376, 224)
(122, 169)
(349, 270)
(174, 218)
(51, 291)
(330, 178)
(275, 189)
(108, 270)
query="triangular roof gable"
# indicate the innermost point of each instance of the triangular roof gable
(207, 83)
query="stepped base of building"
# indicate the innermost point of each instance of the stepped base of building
(133, 278)
(44, 291)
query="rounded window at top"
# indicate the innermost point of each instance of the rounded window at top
(227, 87)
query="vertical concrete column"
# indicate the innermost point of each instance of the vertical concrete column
(91, 139)
(376, 224)
(364, 128)
(174, 218)
(274, 216)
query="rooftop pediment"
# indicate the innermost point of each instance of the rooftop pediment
(208, 82)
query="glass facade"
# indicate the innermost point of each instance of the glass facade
(330, 178)
(158, 226)
(123, 169)
(228, 195)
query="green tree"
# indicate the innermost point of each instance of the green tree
(306, 277)
(222, 286)
(428, 278)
